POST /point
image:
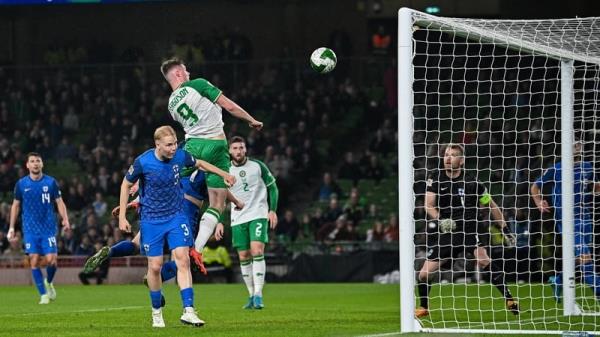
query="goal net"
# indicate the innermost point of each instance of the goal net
(522, 98)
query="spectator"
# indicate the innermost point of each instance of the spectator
(85, 248)
(217, 260)
(328, 188)
(381, 41)
(374, 170)
(333, 212)
(392, 232)
(349, 169)
(65, 150)
(376, 233)
(99, 205)
(71, 120)
(354, 209)
(288, 227)
(15, 247)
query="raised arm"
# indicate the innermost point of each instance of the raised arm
(208, 167)
(238, 111)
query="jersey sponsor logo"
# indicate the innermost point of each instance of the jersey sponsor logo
(242, 173)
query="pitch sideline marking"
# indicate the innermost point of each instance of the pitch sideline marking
(73, 311)
(382, 334)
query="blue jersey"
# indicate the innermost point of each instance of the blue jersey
(583, 179)
(195, 185)
(160, 188)
(37, 199)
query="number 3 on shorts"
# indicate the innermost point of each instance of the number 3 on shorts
(258, 230)
(186, 231)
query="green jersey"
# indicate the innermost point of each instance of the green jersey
(194, 106)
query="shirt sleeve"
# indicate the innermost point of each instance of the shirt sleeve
(484, 196)
(55, 192)
(205, 88)
(18, 192)
(135, 171)
(431, 184)
(265, 174)
(546, 177)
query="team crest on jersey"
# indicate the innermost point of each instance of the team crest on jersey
(461, 192)
(429, 182)
(45, 189)
(242, 173)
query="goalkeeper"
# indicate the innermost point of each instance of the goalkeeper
(452, 201)
(584, 186)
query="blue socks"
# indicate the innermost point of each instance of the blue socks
(38, 279)
(123, 248)
(155, 298)
(50, 271)
(168, 271)
(588, 276)
(187, 297)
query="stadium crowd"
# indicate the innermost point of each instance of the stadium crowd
(88, 133)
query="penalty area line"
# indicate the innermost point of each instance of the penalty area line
(73, 311)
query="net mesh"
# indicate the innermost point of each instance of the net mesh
(494, 87)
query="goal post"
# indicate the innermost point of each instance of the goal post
(513, 92)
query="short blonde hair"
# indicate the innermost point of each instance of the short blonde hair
(164, 131)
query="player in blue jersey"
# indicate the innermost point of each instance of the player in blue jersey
(162, 219)
(584, 186)
(35, 194)
(194, 188)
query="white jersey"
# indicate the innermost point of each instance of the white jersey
(252, 180)
(194, 106)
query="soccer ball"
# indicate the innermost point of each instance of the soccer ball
(323, 60)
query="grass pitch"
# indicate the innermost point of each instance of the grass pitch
(124, 310)
(291, 310)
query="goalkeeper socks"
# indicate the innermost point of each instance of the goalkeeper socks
(209, 221)
(38, 279)
(155, 299)
(591, 278)
(424, 288)
(123, 248)
(50, 271)
(259, 267)
(498, 280)
(187, 297)
(168, 271)
(246, 269)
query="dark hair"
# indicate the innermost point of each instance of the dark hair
(33, 154)
(237, 139)
(169, 64)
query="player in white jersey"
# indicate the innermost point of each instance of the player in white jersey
(197, 105)
(255, 186)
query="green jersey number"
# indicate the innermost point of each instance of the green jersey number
(187, 114)
(246, 187)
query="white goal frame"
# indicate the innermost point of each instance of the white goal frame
(407, 23)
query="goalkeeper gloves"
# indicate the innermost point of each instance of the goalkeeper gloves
(446, 225)
(509, 237)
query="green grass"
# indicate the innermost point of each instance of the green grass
(480, 307)
(291, 310)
